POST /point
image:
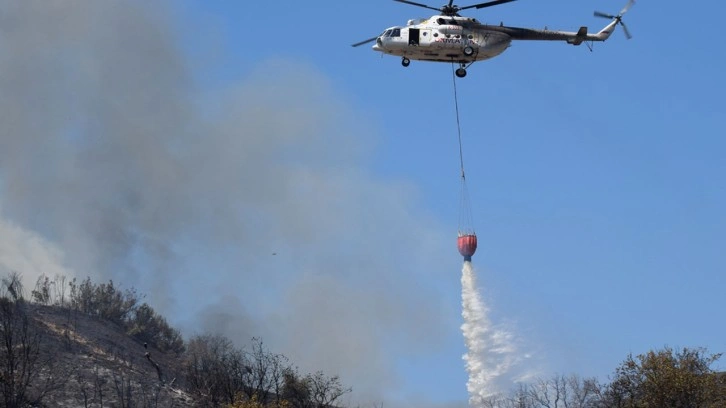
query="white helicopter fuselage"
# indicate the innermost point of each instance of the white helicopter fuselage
(450, 37)
(443, 39)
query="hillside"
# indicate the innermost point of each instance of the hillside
(88, 361)
(80, 344)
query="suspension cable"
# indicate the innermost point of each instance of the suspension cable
(458, 124)
(466, 225)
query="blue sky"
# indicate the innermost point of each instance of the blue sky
(596, 184)
(596, 179)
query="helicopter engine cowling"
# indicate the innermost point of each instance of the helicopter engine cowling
(450, 29)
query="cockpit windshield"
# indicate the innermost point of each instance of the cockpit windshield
(392, 32)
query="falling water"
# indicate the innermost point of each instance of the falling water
(490, 350)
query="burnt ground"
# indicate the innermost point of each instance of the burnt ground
(90, 362)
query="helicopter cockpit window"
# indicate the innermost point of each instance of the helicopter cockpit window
(396, 32)
(387, 33)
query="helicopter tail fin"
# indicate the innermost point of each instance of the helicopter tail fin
(607, 31)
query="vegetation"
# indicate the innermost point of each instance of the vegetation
(213, 372)
(657, 379)
(667, 378)
(21, 360)
(110, 303)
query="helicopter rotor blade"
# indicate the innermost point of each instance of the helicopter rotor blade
(626, 31)
(487, 4)
(365, 41)
(627, 7)
(604, 15)
(419, 4)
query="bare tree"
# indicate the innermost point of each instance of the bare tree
(207, 359)
(27, 375)
(324, 390)
(559, 391)
(90, 387)
(85, 395)
(59, 294)
(583, 393)
(263, 376)
(41, 293)
(124, 390)
(313, 390)
(296, 390)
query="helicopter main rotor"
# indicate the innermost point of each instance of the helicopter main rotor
(453, 10)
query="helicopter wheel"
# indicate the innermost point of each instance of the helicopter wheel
(405, 62)
(468, 51)
(461, 72)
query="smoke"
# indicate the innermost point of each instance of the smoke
(115, 163)
(22, 250)
(492, 358)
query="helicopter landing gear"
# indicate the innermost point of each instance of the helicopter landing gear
(468, 51)
(461, 71)
(405, 62)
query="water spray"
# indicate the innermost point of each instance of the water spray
(490, 353)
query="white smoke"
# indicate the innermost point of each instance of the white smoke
(29, 254)
(118, 150)
(491, 353)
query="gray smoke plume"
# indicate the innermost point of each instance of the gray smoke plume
(247, 211)
(22, 250)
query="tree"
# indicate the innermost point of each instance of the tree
(147, 326)
(296, 390)
(242, 402)
(324, 390)
(104, 300)
(562, 391)
(27, 376)
(220, 373)
(213, 369)
(41, 293)
(667, 378)
(263, 373)
(313, 390)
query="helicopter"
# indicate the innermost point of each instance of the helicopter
(449, 37)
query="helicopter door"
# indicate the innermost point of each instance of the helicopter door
(413, 36)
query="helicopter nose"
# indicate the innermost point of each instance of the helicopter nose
(378, 46)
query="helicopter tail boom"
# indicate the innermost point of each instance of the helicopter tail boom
(606, 32)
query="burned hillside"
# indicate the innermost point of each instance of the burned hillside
(96, 346)
(57, 355)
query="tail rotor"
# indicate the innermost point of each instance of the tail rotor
(619, 17)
